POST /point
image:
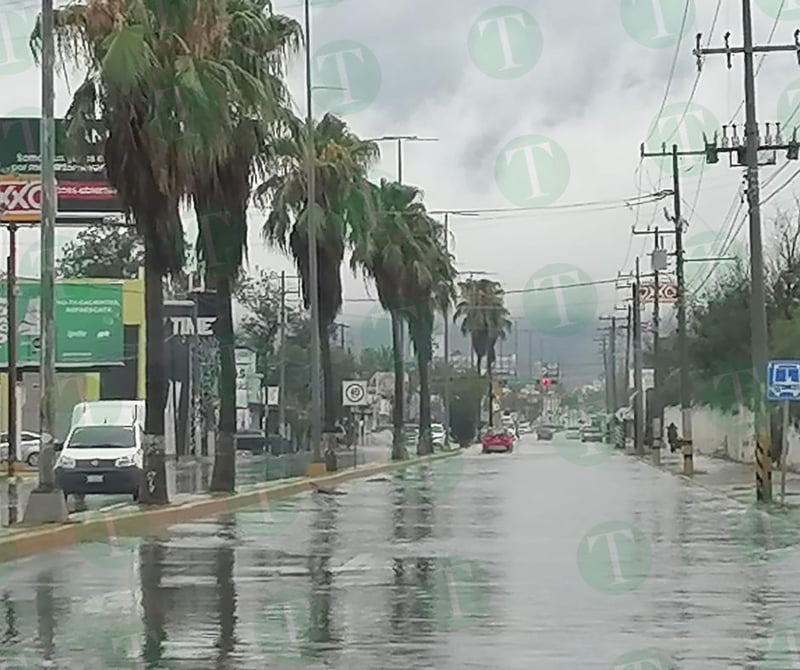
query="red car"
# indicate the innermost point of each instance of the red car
(497, 440)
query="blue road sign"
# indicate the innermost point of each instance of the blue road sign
(783, 380)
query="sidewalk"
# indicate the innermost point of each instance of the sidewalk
(189, 476)
(730, 478)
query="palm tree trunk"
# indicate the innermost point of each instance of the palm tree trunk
(398, 448)
(491, 390)
(153, 487)
(423, 361)
(223, 478)
(328, 390)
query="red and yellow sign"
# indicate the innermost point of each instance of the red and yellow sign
(20, 199)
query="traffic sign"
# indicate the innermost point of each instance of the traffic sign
(354, 393)
(783, 380)
(273, 396)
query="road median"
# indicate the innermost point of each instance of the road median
(103, 526)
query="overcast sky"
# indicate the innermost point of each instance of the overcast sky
(535, 104)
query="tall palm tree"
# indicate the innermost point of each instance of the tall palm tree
(485, 318)
(341, 162)
(258, 45)
(428, 287)
(159, 79)
(381, 250)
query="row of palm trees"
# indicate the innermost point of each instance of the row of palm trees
(192, 96)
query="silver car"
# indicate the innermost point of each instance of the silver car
(29, 447)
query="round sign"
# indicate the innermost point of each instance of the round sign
(354, 392)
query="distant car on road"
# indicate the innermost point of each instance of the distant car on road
(591, 434)
(544, 433)
(525, 428)
(573, 433)
(497, 439)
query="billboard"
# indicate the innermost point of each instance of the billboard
(88, 323)
(83, 188)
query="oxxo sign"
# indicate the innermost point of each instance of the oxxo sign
(203, 326)
(20, 199)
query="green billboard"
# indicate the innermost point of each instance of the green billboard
(88, 324)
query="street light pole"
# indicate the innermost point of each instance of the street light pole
(46, 503)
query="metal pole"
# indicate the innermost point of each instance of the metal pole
(784, 448)
(282, 358)
(47, 384)
(606, 376)
(13, 329)
(657, 420)
(637, 365)
(613, 365)
(758, 311)
(447, 345)
(683, 340)
(313, 289)
(530, 356)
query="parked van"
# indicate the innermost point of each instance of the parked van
(103, 450)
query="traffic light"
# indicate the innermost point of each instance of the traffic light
(546, 382)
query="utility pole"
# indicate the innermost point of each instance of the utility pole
(656, 409)
(638, 407)
(13, 329)
(530, 355)
(46, 503)
(612, 348)
(604, 343)
(282, 361)
(758, 315)
(446, 316)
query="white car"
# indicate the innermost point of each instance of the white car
(29, 447)
(525, 428)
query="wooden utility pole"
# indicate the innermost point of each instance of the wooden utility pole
(758, 313)
(612, 353)
(638, 407)
(13, 349)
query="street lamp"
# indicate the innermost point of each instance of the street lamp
(400, 139)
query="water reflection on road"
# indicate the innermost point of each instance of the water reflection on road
(529, 560)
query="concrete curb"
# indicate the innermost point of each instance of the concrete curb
(21, 542)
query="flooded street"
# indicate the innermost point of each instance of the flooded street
(552, 557)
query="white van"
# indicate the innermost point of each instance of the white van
(103, 450)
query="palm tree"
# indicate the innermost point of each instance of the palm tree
(258, 44)
(341, 163)
(159, 79)
(381, 250)
(485, 319)
(428, 287)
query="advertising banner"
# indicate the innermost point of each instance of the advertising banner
(88, 322)
(80, 175)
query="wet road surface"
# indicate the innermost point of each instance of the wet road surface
(559, 555)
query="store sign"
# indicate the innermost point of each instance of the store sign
(88, 324)
(245, 372)
(81, 180)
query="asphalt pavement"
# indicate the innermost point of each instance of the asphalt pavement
(559, 555)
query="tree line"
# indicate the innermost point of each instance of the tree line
(194, 101)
